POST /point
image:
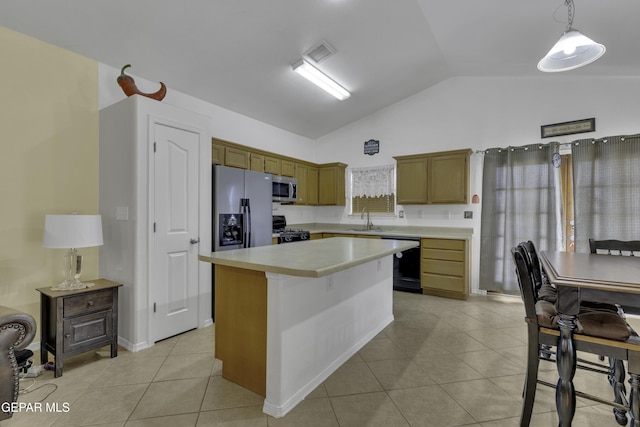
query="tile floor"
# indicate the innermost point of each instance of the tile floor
(440, 363)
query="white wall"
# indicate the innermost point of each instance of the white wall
(479, 113)
(226, 124)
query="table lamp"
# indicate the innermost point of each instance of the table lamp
(72, 232)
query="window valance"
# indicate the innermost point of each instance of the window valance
(376, 181)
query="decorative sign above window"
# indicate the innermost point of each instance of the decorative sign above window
(372, 147)
(567, 128)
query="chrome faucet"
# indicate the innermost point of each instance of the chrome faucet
(369, 223)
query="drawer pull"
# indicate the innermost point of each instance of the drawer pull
(67, 336)
(90, 303)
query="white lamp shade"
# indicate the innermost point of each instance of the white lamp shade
(573, 50)
(72, 231)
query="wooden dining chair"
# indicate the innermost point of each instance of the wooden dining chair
(615, 247)
(598, 332)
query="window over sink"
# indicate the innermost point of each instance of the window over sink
(373, 188)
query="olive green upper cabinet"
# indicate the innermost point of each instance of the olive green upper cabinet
(303, 183)
(317, 184)
(272, 165)
(217, 153)
(449, 178)
(331, 182)
(287, 168)
(256, 162)
(433, 178)
(307, 176)
(411, 180)
(236, 158)
(312, 185)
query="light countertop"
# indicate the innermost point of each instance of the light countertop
(312, 258)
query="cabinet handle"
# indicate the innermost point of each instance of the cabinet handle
(90, 303)
(67, 336)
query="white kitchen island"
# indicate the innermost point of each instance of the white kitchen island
(287, 316)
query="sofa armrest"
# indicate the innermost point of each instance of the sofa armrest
(17, 330)
(23, 325)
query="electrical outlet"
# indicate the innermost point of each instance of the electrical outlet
(401, 214)
(122, 213)
(468, 214)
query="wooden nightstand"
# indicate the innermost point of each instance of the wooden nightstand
(74, 322)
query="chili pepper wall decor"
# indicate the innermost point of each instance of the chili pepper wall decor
(129, 88)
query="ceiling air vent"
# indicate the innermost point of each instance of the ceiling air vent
(320, 52)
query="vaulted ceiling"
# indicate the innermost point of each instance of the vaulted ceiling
(238, 54)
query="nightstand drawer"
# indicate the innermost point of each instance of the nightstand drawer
(84, 332)
(87, 303)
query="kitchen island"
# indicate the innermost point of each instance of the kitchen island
(287, 316)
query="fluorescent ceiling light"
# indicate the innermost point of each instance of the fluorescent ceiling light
(573, 50)
(320, 79)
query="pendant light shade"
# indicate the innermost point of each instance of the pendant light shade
(573, 50)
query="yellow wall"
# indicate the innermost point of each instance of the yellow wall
(48, 160)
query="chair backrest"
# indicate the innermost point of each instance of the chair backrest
(531, 256)
(525, 281)
(615, 247)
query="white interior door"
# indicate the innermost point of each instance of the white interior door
(174, 269)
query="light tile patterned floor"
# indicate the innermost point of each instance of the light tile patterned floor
(440, 363)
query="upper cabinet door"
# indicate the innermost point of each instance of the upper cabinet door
(411, 181)
(236, 158)
(449, 179)
(331, 183)
(257, 162)
(272, 165)
(288, 168)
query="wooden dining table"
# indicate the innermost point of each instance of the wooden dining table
(591, 277)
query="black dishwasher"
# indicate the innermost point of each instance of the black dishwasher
(406, 267)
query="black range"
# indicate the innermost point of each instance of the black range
(288, 235)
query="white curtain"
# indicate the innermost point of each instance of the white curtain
(606, 189)
(376, 181)
(521, 200)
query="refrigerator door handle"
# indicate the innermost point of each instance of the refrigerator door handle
(248, 223)
(243, 211)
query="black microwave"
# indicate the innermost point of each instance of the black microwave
(285, 189)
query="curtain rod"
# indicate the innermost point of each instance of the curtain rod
(565, 144)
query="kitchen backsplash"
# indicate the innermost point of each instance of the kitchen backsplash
(418, 215)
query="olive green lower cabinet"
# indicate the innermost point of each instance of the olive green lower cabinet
(444, 268)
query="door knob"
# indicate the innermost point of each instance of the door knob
(194, 241)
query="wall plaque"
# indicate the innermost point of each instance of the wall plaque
(372, 147)
(567, 128)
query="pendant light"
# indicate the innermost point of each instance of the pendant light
(573, 50)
